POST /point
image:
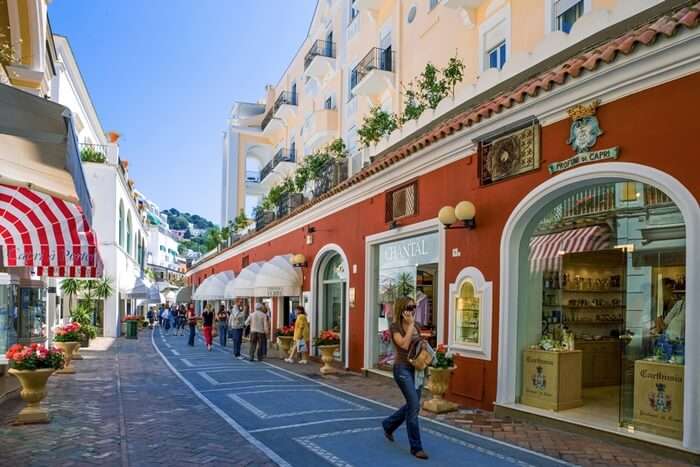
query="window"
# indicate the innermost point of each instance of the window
(129, 233)
(354, 10)
(496, 57)
(566, 12)
(470, 314)
(432, 4)
(328, 103)
(402, 202)
(121, 224)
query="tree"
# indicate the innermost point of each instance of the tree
(212, 239)
(70, 287)
(104, 288)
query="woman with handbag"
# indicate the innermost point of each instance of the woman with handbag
(405, 335)
(301, 337)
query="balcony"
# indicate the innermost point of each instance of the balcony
(282, 164)
(282, 110)
(320, 128)
(374, 74)
(90, 152)
(319, 61)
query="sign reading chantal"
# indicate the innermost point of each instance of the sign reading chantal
(410, 251)
(583, 135)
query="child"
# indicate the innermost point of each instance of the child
(301, 337)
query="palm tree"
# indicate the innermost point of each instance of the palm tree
(70, 287)
(104, 288)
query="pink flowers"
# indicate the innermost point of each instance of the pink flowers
(285, 331)
(34, 357)
(68, 333)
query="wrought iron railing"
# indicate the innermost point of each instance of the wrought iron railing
(332, 173)
(376, 59)
(283, 155)
(266, 119)
(285, 98)
(321, 49)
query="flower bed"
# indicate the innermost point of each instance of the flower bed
(34, 357)
(68, 333)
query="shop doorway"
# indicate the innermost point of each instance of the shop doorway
(601, 309)
(330, 302)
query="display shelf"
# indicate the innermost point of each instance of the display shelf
(593, 322)
(589, 308)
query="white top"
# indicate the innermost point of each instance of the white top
(258, 322)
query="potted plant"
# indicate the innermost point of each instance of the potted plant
(132, 326)
(328, 342)
(285, 337)
(67, 338)
(439, 374)
(32, 366)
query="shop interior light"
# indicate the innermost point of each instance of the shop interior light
(299, 261)
(462, 216)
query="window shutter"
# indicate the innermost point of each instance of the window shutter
(402, 202)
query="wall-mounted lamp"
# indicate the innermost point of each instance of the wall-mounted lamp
(462, 216)
(299, 261)
(310, 229)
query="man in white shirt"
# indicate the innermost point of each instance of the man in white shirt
(259, 327)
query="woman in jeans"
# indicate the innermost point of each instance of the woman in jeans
(403, 331)
(222, 321)
(192, 322)
(236, 322)
(207, 324)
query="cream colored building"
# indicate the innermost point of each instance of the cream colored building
(362, 53)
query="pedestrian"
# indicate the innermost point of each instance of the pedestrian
(207, 325)
(182, 320)
(160, 316)
(236, 322)
(165, 318)
(403, 332)
(192, 322)
(259, 325)
(301, 337)
(266, 309)
(173, 318)
(149, 315)
(222, 322)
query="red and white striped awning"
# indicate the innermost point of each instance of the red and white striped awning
(546, 251)
(42, 231)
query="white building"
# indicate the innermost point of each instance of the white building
(118, 219)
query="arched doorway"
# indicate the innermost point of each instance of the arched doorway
(330, 274)
(602, 253)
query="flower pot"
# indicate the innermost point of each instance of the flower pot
(327, 352)
(438, 382)
(285, 344)
(68, 348)
(33, 392)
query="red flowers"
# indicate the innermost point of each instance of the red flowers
(285, 331)
(68, 333)
(133, 318)
(327, 337)
(34, 357)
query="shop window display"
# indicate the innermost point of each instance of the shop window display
(603, 302)
(468, 319)
(405, 268)
(8, 317)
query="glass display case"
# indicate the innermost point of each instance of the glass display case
(468, 309)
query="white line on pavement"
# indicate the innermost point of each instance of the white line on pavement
(319, 422)
(258, 386)
(175, 352)
(242, 431)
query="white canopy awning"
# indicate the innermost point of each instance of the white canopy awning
(140, 289)
(278, 278)
(213, 287)
(244, 284)
(184, 295)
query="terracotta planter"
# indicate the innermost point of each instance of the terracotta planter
(327, 352)
(68, 349)
(33, 392)
(438, 382)
(285, 344)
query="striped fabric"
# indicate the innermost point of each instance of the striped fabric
(546, 251)
(42, 231)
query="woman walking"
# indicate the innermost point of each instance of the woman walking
(301, 337)
(166, 320)
(236, 322)
(207, 324)
(192, 322)
(222, 322)
(403, 332)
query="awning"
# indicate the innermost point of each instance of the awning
(184, 295)
(546, 251)
(213, 287)
(278, 278)
(43, 231)
(39, 149)
(140, 289)
(244, 284)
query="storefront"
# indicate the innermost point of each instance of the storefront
(405, 263)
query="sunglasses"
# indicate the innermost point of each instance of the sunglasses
(410, 307)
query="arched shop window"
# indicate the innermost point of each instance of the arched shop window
(601, 312)
(332, 299)
(470, 314)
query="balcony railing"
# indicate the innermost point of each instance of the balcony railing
(285, 98)
(332, 173)
(321, 49)
(267, 118)
(283, 155)
(376, 59)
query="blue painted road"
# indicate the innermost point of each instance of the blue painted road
(298, 421)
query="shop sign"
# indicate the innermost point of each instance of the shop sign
(540, 376)
(658, 397)
(510, 154)
(583, 158)
(274, 291)
(409, 251)
(583, 135)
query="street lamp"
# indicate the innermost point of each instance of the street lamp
(462, 216)
(299, 261)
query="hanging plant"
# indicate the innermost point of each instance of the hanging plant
(337, 149)
(377, 124)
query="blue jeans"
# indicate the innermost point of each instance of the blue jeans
(237, 339)
(190, 342)
(404, 376)
(223, 328)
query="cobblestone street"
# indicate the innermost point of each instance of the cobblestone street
(125, 407)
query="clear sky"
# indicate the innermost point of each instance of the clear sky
(164, 74)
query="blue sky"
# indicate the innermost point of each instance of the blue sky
(164, 74)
